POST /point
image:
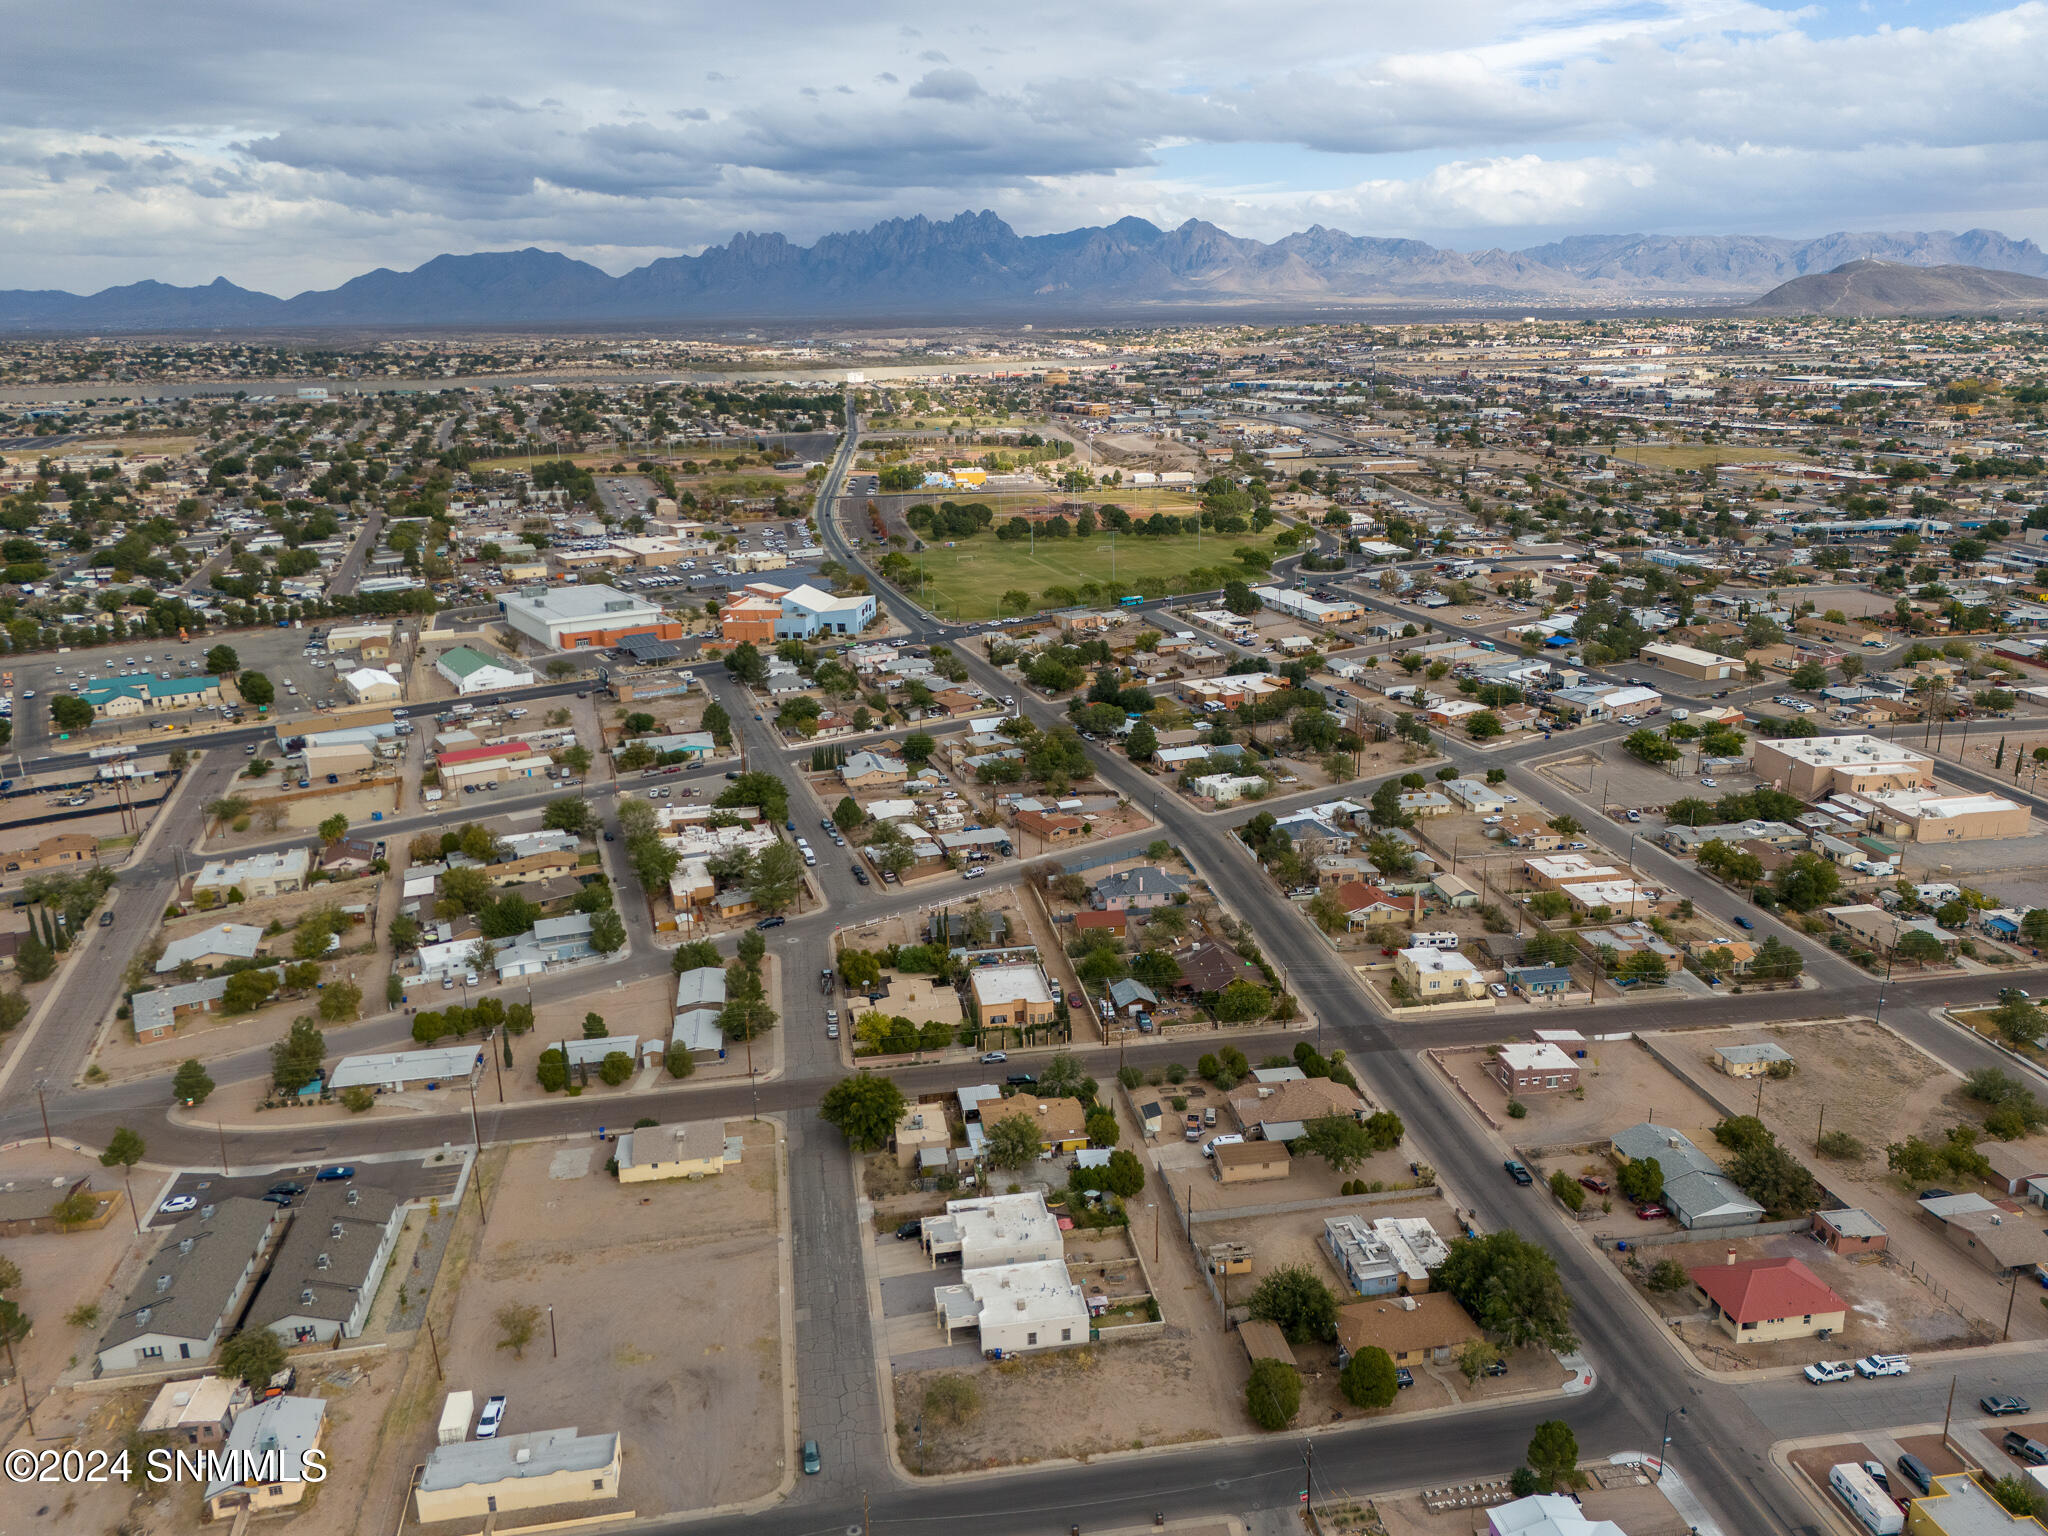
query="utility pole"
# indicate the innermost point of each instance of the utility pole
(27, 1411)
(498, 1058)
(554, 1344)
(435, 1345)
(2011, 1291)
(47, 1142)
(1818, 1127)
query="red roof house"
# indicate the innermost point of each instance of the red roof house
(1760, 1299)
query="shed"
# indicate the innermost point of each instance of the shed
(1264, 1341)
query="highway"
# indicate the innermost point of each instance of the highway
(1721, 1445)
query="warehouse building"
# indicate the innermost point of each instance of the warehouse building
(1686, 661)
(471, 671)
(585, 618)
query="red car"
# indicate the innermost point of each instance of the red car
(1598, 1186)
(1650, 1212)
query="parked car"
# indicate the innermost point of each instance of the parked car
(1651, 1212)
(493, 1415)
(812, 1462)
(1021, 1080)
(287, 1187)
(2024, 1448)
(1517, 1172)
(1822, 1371)
(910, 1229)
(1745, 924)
(1598, 1186)
(991, 1057)
(1403, 1377)
(1884, 1365)
(329, 1175)
(1999, 1404)
(177, 1203)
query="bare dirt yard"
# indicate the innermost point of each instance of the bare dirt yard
(1620, 1084)
(1067, 1403)
(1889, 1311)
(697, 1390)
(1879, 1088)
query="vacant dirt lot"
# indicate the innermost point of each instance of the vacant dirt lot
(1620, 1084)
(1069, 1402)
(698, 1391)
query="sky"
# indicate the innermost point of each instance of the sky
(289, 145)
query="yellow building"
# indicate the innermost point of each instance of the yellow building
(693, 1149)
(474, 1479)
(1438, 975)
(1759, 1300)
(1958, 1505)
(1060, 1123)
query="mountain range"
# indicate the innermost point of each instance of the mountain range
(976, 264)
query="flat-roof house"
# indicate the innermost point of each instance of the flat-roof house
(1250, 1162)
(1995, 1235)
(326, 1271)
(1759, 1300)
(476, 1479)
(191, 1289)
(1538, 1068)
(1060, 1123)
(1850, 1231)
(995, 1230)
(1749, 1060)
(394, 1071)
(195, 1412)
(1439, 975)
(258, 876)
(1016, 1308)
(1012, 996)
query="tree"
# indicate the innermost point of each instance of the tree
(1296, 1301)
(68, 712)
(253, 1356)
(1807, 881)
(1242, 1001)
(778, 878)
(1648, 746)
(567, 814)
(1511, 1287)
(2019, 1023)
(1475, 1356)
(257, 689)
(1125, 1175)
(763, 790)
(918, 748)
(1918, 947)
(847, 814)
(295, 1060)
(1567, 1190)
(1484, 726)
(191, 1085)
(717, 723)
(616, 1067)
(332, 829)
(1641, 1179)
(552, 1069)
(607, 931)
(1554, 1453)
(518, 1322)
(2018, 1496)
(1669, 1275)
(1013, 1141)
(1338, 1139)
(1272, 1394)
(1368, 1380)
(222, 661)
(340, 1001)
(1240, 599)
(865, 1107)
(124, 1150)
(33, 959)
(680, 1062)
(13, 1008)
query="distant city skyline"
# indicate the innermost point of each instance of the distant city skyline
(292, 150)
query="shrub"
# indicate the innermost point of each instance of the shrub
(1517, 1110)
(1369, 1380)
(1668, 1275)
(1841, 1146)
(357, 1099)
(1568, 1190)
(1272, 1396)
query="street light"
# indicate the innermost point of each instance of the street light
(1663, 1454)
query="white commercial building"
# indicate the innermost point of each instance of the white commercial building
(368, 685)
(565, 618)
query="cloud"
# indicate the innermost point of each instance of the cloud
(946, 85)
(151, 143)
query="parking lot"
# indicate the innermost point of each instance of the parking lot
(411, 1178)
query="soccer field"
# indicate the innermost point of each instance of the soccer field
(968, 581)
